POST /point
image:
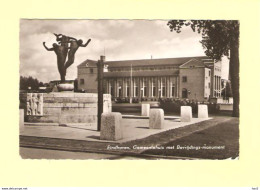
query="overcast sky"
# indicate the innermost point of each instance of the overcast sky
(121, 40)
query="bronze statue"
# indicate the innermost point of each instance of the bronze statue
(74, 45)
(66, 46)
(61, 52)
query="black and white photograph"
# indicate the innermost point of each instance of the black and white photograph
(129, 89)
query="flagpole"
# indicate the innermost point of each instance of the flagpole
(131, 87)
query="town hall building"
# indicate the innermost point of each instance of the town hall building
(194, 78)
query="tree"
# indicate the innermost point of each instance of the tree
(219, 38)
(41, 84)
(227, 92)
(26, 82)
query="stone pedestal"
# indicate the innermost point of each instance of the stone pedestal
(65, 87)
(202, 111)
(186, 113)
(64, 107)
(156, 119)
(111, 126)
(21, 118)
(145, 109)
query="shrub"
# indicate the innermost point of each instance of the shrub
(174, 105)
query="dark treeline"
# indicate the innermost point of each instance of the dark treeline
(26, 82)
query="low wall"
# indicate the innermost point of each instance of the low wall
(226, 107)
(62, 108)
(221, 100)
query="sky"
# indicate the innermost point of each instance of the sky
(116, 39)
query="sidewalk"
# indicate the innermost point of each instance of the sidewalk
(216, 131)
(133, 128)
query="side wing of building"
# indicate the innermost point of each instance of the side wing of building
(87, 76)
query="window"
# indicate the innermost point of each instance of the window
(145, 91)
(184, 93)
(120, 84)
(145, 86)
(184, 79)
(154, 90)
(91, 71)
(209, 72)
(173, 88)
(163, 91)
(163, 86)
(120, 92)
(128, 88)
(81, 81)
(112, 91)
(136, 91)
(209, 84)
(135, 81)
(153, 87)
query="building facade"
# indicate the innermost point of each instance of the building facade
(194, 78)
(87, 76)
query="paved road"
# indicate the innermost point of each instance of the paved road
(33, 153)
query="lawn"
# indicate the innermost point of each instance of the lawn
(221, 141)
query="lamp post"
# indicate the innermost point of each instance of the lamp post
(100, 65)
(131, 85)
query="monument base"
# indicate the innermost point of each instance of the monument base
(63, 108)
(64, 87)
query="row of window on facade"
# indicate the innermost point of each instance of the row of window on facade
(157, 87)
(142, 68)
(144, 91)
(161, 92)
